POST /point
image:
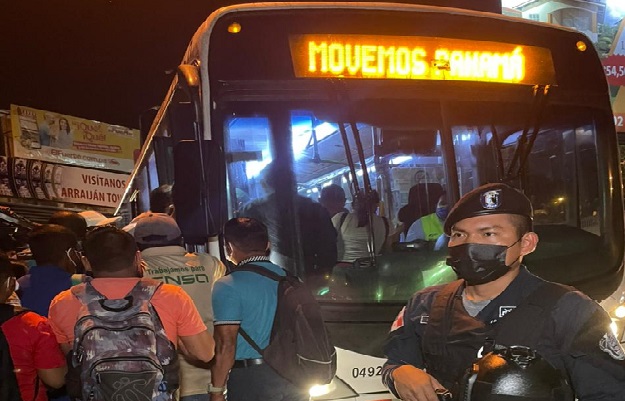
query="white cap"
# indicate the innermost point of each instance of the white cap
(94, 218)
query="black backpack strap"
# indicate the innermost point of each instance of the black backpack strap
(524, 325)
(342, 220)
(249, 340)
(6, 312)
(250, 267)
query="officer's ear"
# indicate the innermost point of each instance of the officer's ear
(529, 241)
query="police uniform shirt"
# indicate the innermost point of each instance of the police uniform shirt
(576, 337)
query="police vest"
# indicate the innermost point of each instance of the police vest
(452, 338)
(432, 227)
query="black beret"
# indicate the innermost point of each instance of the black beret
(489, 199)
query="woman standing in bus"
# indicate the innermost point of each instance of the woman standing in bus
(353, 229)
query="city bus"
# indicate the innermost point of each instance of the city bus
(396, 104)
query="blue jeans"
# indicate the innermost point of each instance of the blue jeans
(195, 397)
(261, 383)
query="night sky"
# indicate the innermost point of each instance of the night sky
(102, 60)
(98, 59)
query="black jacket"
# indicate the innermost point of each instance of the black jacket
(574, 336)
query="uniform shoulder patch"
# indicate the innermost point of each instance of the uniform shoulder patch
(399, 320)
(610, 345)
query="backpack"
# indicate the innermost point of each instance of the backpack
(299, 348)
(121, 351)
(9, 389)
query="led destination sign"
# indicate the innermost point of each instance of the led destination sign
(418, 57)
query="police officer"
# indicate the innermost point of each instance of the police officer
(497, 302)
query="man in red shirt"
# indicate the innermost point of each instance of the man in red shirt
(37, 358)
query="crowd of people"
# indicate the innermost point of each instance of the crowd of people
(40, 304)
(54, 313)
(57, 315)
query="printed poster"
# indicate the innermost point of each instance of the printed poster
(58, 138)
(6, 189)
(24, 178)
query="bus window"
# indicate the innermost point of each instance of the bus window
(261, 185)
(248, 152)
(558, 177)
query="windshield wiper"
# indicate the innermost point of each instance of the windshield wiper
(526, 141)
(365, 198)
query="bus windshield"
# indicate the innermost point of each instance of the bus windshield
(282, 156)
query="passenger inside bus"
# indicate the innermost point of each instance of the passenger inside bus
(430, 227)
(332, 198)
(318, 237)
(422, 199)
(353, 229)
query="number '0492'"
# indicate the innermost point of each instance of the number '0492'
(619, 121)
(370, 371)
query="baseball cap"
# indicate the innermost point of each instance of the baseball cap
(156, 229)
(94, 218)
(489, 199)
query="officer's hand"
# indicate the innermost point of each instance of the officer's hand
(414, 384)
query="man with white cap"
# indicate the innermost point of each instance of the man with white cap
(94, 218)
(160, 240)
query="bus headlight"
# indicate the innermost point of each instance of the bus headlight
(614, 328)
(319, 390)
(619, 312)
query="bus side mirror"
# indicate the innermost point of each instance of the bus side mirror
(189, 81)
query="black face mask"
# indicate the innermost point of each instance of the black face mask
(479, 263)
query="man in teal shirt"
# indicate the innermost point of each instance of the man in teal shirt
(246, 300)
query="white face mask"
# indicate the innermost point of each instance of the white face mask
(8, 284)
(69, 256)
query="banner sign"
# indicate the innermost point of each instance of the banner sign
(27, 178)
(614, 66)
(52, 137)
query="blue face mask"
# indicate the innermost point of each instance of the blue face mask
(442, 213)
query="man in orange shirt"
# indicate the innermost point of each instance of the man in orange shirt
(113, 257)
